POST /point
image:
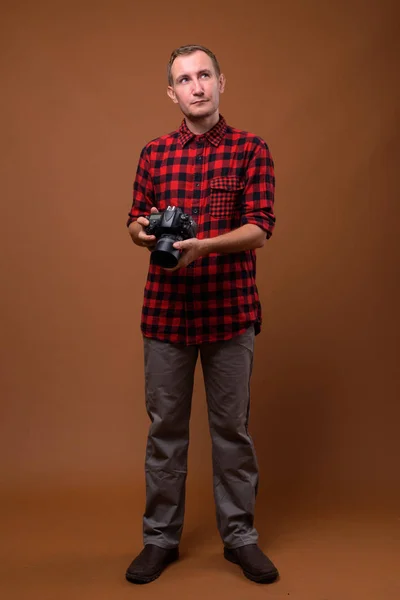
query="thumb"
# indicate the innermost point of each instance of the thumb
(153, 210)
(183, 245)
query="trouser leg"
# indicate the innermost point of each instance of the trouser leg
(227, 370)
(169, 376)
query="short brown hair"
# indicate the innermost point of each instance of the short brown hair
(184, 50)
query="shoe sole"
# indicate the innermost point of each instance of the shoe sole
(256, 578)
(138, 580)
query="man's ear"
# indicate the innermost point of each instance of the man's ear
(171, 94)
(222, 82)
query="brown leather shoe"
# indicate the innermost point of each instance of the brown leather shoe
(150, 563)
(256, 566)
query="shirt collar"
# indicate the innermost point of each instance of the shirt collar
(214, 135)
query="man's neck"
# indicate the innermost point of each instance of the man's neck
(200, 126)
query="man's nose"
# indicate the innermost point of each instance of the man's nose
(197, 88)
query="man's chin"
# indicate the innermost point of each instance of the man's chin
(200, 111)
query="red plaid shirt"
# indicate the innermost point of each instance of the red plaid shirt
(223, 179)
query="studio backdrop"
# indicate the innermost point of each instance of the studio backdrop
(83, 90)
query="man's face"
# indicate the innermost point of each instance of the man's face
(196, 86)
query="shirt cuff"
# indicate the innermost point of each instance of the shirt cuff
(261, 221)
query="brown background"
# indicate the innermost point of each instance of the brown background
(83, 89)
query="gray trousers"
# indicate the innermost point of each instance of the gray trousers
(169, 376)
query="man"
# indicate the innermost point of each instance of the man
(208, 304)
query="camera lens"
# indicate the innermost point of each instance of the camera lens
(164, 254)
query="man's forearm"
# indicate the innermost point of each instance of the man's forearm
(246, 237)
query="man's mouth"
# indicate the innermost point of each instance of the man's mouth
(199, 101)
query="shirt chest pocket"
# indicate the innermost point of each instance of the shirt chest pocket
(225, 196)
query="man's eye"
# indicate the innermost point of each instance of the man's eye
(205, 75)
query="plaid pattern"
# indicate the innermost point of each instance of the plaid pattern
(223, 179)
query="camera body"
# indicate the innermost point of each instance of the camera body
(169, 226)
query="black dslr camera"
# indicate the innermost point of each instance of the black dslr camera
(170, 226)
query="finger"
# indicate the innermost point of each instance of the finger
(172, 268)
(143, 221)
(154, 210)
(146, 240)
(182, 245)
(183, 262)
(186, 244)
(144, 235)
(178, 266)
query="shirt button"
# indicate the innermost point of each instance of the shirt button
(195, 211)
(197, 184)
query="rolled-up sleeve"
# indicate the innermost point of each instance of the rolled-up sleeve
(259, 192)
(143, 190)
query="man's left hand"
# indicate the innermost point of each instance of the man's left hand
(191, 250)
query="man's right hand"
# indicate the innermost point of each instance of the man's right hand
(138, 234)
